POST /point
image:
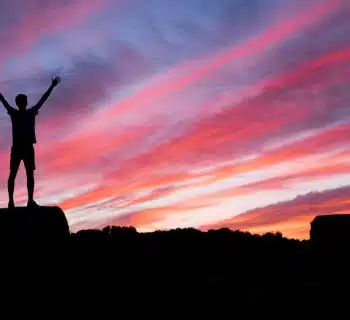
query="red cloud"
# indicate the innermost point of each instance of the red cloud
(143, 218)
(318, 143)
(245, 127)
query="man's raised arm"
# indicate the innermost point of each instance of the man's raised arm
(54, 83)
(5, 103)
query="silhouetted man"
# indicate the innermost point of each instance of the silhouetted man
(23, 140)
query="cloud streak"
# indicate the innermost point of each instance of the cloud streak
(293, 217)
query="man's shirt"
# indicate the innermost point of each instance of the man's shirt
(23, 126)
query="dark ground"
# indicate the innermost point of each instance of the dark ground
(117, 267)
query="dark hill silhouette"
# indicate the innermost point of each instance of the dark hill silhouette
(116, 267)
(233, 267)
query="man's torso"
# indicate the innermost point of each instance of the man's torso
(23, 126)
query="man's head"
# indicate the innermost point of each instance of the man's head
(21, 101)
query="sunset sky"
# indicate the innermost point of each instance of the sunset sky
(187, 113)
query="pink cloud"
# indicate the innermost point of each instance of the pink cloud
(336, 164)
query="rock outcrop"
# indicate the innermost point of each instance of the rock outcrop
(330, 228)
(44, 225)
(34, 246)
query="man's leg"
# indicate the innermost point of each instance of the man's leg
(29, 163)
(15, 160)
(30, 185)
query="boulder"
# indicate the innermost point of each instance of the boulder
(330, 228)
(43, 225)
(34, 250)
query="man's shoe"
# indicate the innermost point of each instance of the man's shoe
(11, 205)
(32, 204)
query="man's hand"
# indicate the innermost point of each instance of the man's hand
(56, 81)
(5, 103)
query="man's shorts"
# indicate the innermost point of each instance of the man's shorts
(25, 153)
